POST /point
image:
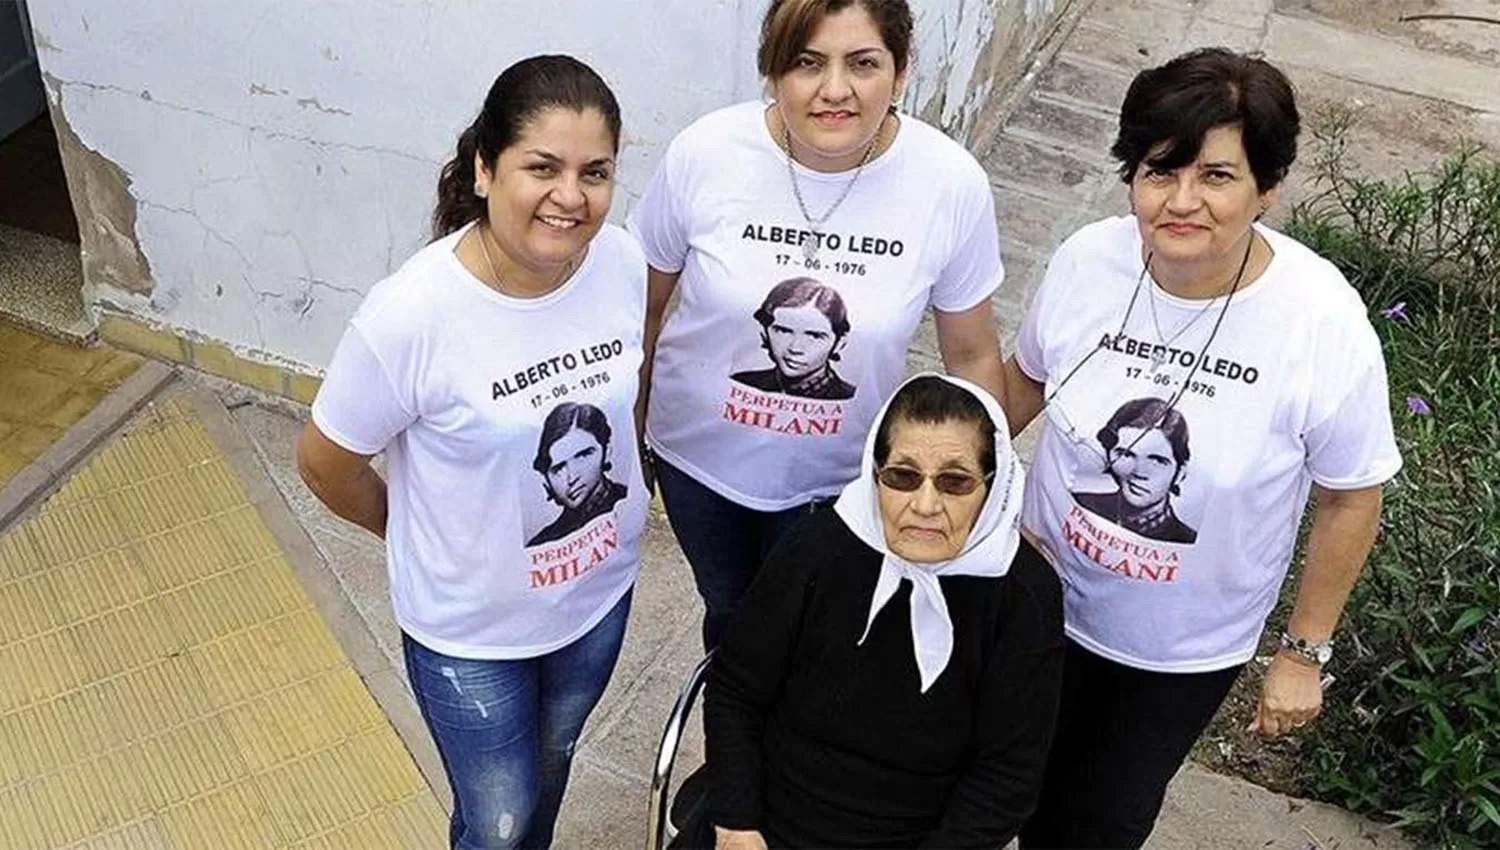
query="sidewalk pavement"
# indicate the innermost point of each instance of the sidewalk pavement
(169, 681)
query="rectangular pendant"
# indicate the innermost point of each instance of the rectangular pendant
(810, 247)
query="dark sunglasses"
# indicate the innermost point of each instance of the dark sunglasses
(906, 480)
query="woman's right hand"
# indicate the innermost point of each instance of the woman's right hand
(738, 839)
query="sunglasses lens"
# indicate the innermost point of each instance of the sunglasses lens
(903, 480)
(948, 483)
(956, 484)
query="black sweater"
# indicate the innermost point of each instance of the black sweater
(818, 742)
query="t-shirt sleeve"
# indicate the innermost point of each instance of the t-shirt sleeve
(1031, 349)
(358, 406)
(973, 271)
(658, 222)
(1352, 443)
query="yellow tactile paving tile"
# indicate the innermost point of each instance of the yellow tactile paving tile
(168, 684)
(45, 387)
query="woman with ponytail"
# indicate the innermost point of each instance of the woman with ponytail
(498, 369)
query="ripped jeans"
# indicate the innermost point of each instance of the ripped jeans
(506, 730)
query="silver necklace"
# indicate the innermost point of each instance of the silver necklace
(499, 282)
(810, 247)
(1159, 354)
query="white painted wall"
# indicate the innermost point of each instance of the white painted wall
(283, 156)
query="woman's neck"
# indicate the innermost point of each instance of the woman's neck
(1203, 279)
(811, 158)
(490, 263)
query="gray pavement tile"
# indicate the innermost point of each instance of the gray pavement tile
(360, 568)
(1095, 83)
(1157, 25)
(1083, 133)
(601, 810)
(1129, 53)
(1210, 32)
(1042, 169)
(1249, 14)
(1030, 224)
(1205, 809)
(626, 738)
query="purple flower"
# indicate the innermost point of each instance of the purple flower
(1395, 311)
(1418, 405)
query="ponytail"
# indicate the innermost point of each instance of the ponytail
(457, 205)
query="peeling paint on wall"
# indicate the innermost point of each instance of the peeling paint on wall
(104, 206)
(967, 52)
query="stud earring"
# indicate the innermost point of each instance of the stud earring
(479, 190)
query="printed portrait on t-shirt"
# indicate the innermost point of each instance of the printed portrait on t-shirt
(1146, 449)
(803, 327)
(573, 459)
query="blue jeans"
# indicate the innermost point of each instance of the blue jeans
(506, 730)
(724, 542)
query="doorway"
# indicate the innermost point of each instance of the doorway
(41, 273)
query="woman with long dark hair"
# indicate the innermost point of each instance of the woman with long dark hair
(526, 310)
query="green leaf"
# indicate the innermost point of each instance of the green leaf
(1489, 810)
(1467, 619)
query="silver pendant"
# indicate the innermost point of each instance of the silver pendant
(810, 247)
(1158, 357)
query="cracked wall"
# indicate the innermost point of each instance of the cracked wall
(245, 172)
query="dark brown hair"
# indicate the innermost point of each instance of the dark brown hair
(520, 92)
(931, 400)
(1179, 102)
(1150, 414)
(799, 291)
(789, 24)
(564, 418)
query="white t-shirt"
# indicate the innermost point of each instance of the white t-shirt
(486, 406)
(1173, 561)
(773, 418)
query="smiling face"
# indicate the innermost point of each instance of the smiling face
(800, 340)
(839, 90)
(926, 525)
(1144, 466)
(576, 469)
(1199, 212)
(549, 192)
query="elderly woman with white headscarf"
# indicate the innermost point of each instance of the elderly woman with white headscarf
(892, 677)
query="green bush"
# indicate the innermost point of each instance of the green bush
(1412, 728)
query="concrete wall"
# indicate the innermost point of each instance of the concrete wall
(244, 170)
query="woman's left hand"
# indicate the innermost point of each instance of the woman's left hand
(1290, 696)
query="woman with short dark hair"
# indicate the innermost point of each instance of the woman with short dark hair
(826, 182)
(1188, 329)
(891, 678)
(511, 555)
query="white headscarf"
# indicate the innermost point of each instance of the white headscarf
(988, 552)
